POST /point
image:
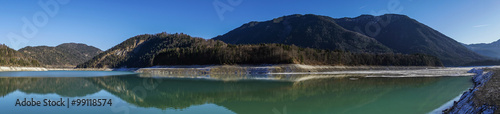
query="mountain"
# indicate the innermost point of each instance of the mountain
(11, 57)
(366, 33)
(405, 35)
(181, 49)
(64, 55)
(309, 30)
(487, 49)
(139, 51)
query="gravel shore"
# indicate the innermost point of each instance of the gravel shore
(483, 98)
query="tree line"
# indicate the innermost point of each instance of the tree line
(181, 49)
(284, 54)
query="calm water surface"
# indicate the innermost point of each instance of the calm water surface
(135, 93)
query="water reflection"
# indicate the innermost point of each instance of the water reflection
(67, 87)
(315, 95)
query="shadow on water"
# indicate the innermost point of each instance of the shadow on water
(321, 95)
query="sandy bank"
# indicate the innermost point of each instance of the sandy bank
(80, 69)
(6, 68)
(11, 68)
(296, 69)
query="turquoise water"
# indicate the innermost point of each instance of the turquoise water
(131, 93)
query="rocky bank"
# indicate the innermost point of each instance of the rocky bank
(482, 98)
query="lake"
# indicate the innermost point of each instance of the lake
(259, 94)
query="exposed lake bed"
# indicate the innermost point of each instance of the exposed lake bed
(300, 70)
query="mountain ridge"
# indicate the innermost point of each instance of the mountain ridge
(63, 55)
(406, 35)
(308, 31)
(398, 33)
(487, 49)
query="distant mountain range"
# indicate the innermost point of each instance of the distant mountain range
(487, 49)
(366, 33)
(64, 55)
(390, 39)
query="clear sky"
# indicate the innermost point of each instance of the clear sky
(105, 23)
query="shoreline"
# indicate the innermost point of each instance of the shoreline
(79, 69)
(470, 101)
(12, 68)
(297, 69)
(15, 68)
(279, 69)
(445, 106)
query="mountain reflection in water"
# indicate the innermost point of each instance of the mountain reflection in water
(321, 95)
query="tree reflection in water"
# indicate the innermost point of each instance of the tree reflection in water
(321, 95)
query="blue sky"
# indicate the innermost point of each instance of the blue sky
(105, 23)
